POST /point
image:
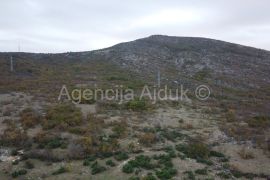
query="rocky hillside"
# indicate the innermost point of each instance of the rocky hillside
(235, 73)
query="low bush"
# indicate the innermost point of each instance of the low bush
(62, 115)
(201, 171)
(216, 154)
(121, 156)
(230, 116)
(137, 105)
(147, 139)
(18, 173)
(164, 159)
(120, 129)
(244, 153)
(194, 150)
(61, 170)
(29, 118)
(190, 175)
(49, 141)
(128, 168)
(140, 161)
(28, 165)
(224, 175)
(13, 136)
(88, 160)
(172, 135)
(166, 173)
(110, 163)
(96, 168)
(149, 176)
(259, 122)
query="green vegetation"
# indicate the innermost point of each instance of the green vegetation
(166, 173)
(121, 156)
(48, 141)
(202, 75)
(194, 150)
(164, 159)
(88, 160)
(18, 173)
(201, 171)
(62, 115)
(216, 154)
(190, 175)
(119, 129)
(149, 176)
(259, 122)
(224, 175)
(198, 151)
(110, 163)
(61, 170)
(172, 135)
(137, 105)
(140, 161)
(96, 168)
(28, 165)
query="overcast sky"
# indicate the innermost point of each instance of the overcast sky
(82, 25)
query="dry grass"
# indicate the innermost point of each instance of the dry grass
(245, 153)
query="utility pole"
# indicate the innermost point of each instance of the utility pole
(11, 64)
(158, 78)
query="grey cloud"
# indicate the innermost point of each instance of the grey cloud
(68, 25)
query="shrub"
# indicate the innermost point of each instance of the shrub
(28, 165)
(224, 175)
(172, 135)
(201, 171)
(87, 144)
(55, 143)
(50, 141)
(96, 168)
(121, 156)
(88, 160)
(95, 124)
(230, 116)
(110, 163)
(63, 115)
(134, 178)
(16, 162)
(29, 118)
(164, 159)
(149, 176)
(166, 173)
(120, 129)
(107, 148)
(43, 155)
(77, 130)
(259, 122)
(190, 174)
(140, 161)
(128, 168)
(13, 136)
(204, 161)
(137, 105)
(170, 151)
(147, 139)
(194, 150)
(245, 154)
(18, 173)
(61, 170)
(216, 154)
